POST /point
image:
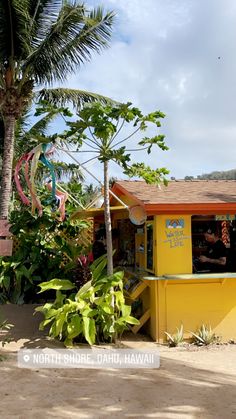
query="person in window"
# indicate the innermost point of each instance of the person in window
(215, 258)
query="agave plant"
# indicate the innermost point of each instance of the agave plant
(176, 338)
(204, 336)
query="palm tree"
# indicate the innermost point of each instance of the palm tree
(42, 41)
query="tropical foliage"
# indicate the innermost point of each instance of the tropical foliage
(94, 312)
(45, 248)
(42, 42)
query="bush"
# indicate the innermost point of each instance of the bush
(96, 313)
(43, 253)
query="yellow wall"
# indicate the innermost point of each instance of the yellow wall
(193, 303)
(173, 245)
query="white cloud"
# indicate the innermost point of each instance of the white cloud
(177, 56)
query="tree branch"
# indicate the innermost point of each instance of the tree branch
(121, 126)
(131, 135)
(94, 138)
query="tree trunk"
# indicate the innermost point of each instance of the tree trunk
(6, 181)
(107, 214)
(108, 221)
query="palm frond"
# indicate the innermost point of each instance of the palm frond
(41, 126)
(23, 122)
(68, 43)
(43, 14)
(22, 21)
(68, 170)
(14, 36)
(63, 97)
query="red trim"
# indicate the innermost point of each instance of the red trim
(208, 209)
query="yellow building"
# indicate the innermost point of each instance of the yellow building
(160, 252)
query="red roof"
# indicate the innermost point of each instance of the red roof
(182, 195)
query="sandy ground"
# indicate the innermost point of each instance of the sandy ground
(191, 382)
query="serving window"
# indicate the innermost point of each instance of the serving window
(225, 227)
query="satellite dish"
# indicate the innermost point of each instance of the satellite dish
(137, 215)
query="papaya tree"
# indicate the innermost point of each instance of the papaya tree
(103, 130)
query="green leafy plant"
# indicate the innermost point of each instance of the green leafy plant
(87, 313)
(42, 242)
(176, 338)
(204, 336)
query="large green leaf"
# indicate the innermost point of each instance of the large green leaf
(89, 329)
(98, 267)
(6, 282)
(107, 308)
(56, 284)
(126, 310)
(132, 320)
(45, 323)
(83, 290)
(119, 299)
(74, 327)
(60, 320)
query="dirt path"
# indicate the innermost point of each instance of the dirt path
(191, 383)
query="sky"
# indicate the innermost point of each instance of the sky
(177, 56)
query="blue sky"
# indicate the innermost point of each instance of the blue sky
(179, 57)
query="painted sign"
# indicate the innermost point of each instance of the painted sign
(175, 234)
(175, 223)
(175, 238)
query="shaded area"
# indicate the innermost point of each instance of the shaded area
(25, 328)
(176, 390)
(190, 383)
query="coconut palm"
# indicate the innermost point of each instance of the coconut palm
(42, 41)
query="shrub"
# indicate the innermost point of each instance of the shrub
(42, 254)
(96, 313)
